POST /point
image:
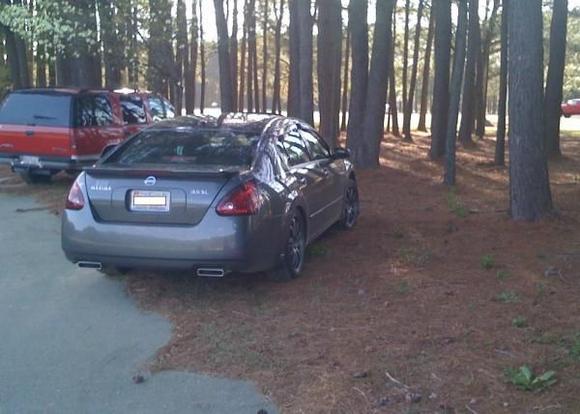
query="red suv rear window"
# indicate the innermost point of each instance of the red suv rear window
(36, 109)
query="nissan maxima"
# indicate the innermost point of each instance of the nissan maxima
(242, 193)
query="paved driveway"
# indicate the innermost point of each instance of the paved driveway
(71, 340)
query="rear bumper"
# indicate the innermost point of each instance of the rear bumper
(19, 164)
(236, 244)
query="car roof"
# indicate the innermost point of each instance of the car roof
(77, 91)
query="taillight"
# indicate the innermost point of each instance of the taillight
(75, 199)
(243, 201)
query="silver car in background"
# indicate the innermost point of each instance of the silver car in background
(242, 193)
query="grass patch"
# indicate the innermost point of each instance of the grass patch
(455, 204)
(415, 256)
(574, 348)
(317, 250)
(503, 275)
(525, 379)
(403, 287)
(508, 296)
(520, 322)
(487, 262)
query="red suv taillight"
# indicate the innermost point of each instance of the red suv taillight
(75, 199)
(243, 201)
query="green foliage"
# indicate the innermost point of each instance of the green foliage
(487, 262)
(574, 349)
(317, 250)
(525, 379)
(520, 321)
(508, 296)
(403, 287)
(455, 204)
(503, 275)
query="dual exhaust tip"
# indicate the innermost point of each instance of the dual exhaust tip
(200, 271)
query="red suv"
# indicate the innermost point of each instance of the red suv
(44, 131)
(572, 107)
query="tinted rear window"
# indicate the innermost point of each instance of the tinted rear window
(188, 148)
(36, 109)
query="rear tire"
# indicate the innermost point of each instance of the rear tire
(294, 253)
(351, 209)
(34, 178)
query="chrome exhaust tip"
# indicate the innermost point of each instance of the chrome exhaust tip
(210, 272)
(90, 265)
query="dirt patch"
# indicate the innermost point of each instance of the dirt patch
(421, 308)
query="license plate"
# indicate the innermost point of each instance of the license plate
(157, 201)
(29, 160)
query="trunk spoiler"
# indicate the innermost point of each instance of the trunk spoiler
(100, 171)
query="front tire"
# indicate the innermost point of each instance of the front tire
(294, 251)
(351, 209)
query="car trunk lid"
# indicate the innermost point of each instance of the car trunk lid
(153, 196)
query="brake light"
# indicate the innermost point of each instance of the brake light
(75, 199)
(243, 201)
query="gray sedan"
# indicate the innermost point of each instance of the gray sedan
(242, 193)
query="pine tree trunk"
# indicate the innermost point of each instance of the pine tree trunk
(344, 99)
(182, 54)
(358, 26)
(413, 84)
(265, 56)
(294, 96)
(554, 83)
(426, 75)
(111, 44)
(202, 60)
(442, 10)
(242, 70)
(191, 76)
(499, 158)
(468, 103)
(276, 98)
(376, 98)
(405, 51)
(225, 75)
(455, 93)
(329, 59)
(305, 62)
(530, 196)
(392, 90)
(234, 56)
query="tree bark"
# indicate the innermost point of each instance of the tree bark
(182, 54)
(499, 157)
(305, 62)
(554, 83)
(276, 98)
(413, 84)
(530, 195)
(468, 103)
(358, 26)
(191, 76)
(294, 75)
(426, 75)
(405, 51)
(329, 59)
(161, 63)
(393, 111)
(344, 99)
(234, 56)
(226, 98)
(265, 56)
(367, 155)
(242, 69)
(202, 60)
(442, 10)
(111, 44)
(455, 93)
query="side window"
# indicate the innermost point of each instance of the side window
(93, 110)
(295, 149)
(103, 111)
(317, 148)
(169, 109)
(133, 110)
(156, 107)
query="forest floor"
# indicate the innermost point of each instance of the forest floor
(424, 307)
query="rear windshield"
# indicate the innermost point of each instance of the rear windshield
(187, 148)
(36, 109)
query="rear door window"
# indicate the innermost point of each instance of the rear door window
(317, 148)
(157, 108)
(169, 109)
(295, 149)
(35, 109)
(133, 110)
(93, 111)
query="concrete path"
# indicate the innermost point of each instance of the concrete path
(71, 339)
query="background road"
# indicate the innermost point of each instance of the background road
(71, 340)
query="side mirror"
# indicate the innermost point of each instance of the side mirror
(108, 149)
(341, 153)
